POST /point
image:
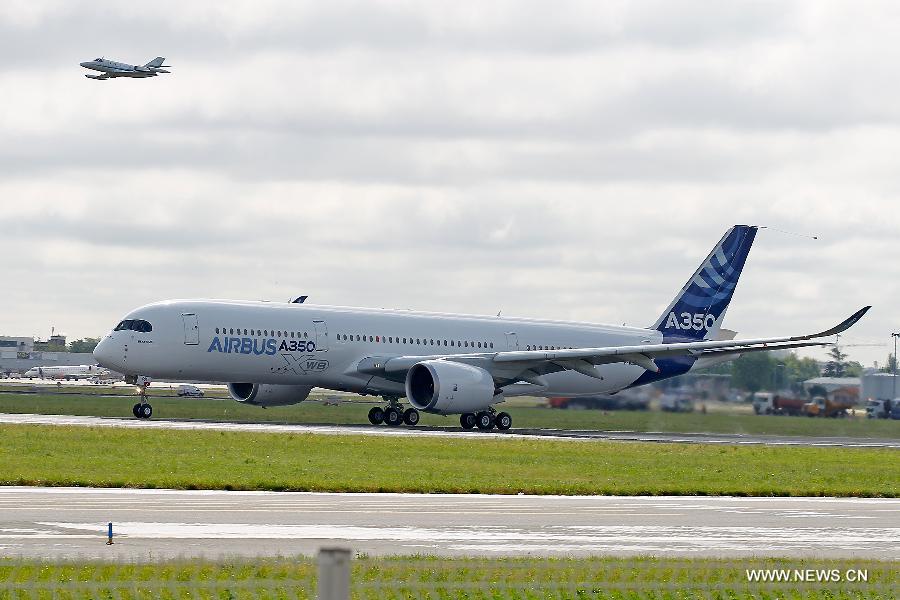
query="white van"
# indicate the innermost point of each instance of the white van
(189, 391)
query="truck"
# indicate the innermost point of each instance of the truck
(823, 407)
(767, 403)
(880, 409)
(895, 412)
(676, 402)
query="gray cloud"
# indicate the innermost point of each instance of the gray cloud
(566, 160)
(228, 30)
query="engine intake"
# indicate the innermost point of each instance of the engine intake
(267, 394)
(446, 387)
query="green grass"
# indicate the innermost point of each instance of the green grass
(440, 578)
(119, 457)
(523, 416)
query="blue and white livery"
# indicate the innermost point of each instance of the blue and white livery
(274, 354)
(697, 312)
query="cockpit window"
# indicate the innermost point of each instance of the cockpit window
(135, 325)
(97, 59)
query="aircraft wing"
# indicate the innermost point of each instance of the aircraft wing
(509, 367)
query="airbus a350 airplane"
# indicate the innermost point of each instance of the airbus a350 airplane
(112, 69)
(274, 354)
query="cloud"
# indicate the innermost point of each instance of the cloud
(564, 160)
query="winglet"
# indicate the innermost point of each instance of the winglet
(845, 324)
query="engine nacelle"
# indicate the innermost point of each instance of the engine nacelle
(268, 395)
(445, 387)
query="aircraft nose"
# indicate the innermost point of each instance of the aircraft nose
(105, 354)
(84, 64)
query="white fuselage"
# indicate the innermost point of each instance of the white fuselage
(324, 346)
(67, 372)
(112, 69)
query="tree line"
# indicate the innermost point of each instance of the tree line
(758, 371)
(83, 345)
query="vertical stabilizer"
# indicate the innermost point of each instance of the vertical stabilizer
(156, 62)
(697, 311)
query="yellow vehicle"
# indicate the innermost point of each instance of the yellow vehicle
(823, 407)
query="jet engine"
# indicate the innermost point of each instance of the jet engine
(445, 387)
(268, 395)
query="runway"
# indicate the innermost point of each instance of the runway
(71, 523)
(556, 434)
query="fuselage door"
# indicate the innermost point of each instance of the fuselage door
(512, 341)
(191, 329)
(321, 336)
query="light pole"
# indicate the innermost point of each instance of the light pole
(894, 367)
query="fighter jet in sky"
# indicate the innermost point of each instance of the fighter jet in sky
(111, 68)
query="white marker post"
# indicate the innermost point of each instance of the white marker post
(334, 574)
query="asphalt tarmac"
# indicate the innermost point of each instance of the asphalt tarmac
(384, 430)
(71, 523)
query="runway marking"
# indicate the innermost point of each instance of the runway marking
(71, 522)
(505, 539)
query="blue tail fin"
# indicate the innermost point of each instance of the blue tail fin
(697, 311)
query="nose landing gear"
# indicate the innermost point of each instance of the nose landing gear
(393, 414)
(142, 410)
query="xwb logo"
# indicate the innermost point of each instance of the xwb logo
(686, 320)
(304, 364)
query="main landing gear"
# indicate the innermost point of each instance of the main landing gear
(486, 420)
(393, 414)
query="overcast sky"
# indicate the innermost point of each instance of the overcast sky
(552, 159)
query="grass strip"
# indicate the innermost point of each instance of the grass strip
(179, 459)
(523, 417)
(441, 577)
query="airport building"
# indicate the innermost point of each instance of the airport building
(880, 386)
(55, 343)
(18, 354)
(842, 389)
(12, 346)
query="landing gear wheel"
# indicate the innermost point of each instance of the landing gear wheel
(503, 421)
(134, 411)
(393, 417)
(467, 420)
(411, 417)
(485, 421)
(145, 411)
(376, 415)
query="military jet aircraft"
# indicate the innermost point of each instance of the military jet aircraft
(111, 68)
